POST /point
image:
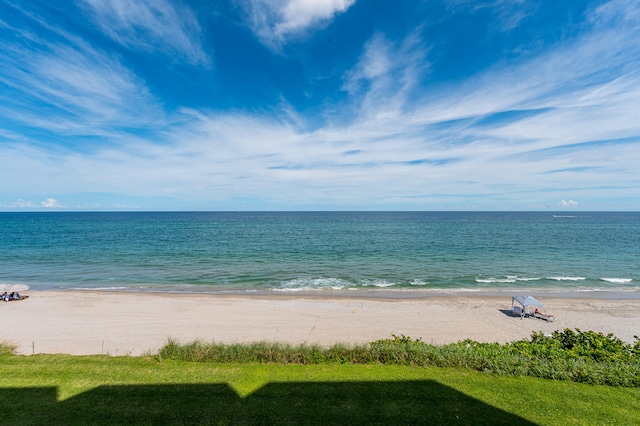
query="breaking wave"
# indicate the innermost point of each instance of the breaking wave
(617, 280)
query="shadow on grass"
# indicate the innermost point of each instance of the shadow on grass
(405, 402)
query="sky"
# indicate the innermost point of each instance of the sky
(155, 105)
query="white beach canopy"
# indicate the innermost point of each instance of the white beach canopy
(526, 301)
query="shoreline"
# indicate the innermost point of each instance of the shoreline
(365, 293)
(82, 322)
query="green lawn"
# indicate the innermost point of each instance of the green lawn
(61, 389)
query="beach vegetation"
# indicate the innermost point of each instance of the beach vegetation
(6, 347)
(573, 355)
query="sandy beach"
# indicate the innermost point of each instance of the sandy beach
(91, 322)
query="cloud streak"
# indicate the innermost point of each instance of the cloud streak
(150, 26)
(63, 86)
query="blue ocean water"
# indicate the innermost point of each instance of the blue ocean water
(309, 251)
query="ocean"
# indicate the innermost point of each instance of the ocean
(399, 253)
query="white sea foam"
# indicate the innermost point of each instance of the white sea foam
(331, 284)
(376, 283)
(567, 278)
(418, 282)
(617, 280)
(314, 284)
(99, 288)
(505, 279)
(492, 280)
(14, 287)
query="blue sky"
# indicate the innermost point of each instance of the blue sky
(319, 105)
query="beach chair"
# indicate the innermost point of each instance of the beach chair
(518, 311)
(544, 316)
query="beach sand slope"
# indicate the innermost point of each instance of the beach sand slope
(88, 322)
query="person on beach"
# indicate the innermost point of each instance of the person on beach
(7, 297)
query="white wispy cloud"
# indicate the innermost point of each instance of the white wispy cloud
(20, 204)
(386, 74)
(275, 21)
(375, 64)
(64, 85)
(151, 26)
(508, 14)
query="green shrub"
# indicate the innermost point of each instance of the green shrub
(587, 344)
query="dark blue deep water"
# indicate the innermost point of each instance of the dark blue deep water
(289, 251)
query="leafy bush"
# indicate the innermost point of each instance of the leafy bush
(586, 345)
(587, 357)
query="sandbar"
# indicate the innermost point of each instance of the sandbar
(132, 323)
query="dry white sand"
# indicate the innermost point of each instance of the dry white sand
(87, 322)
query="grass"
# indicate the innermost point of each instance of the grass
(398, 380)
(62, 389)
(98, 389)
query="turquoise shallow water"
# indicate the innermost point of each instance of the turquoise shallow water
(303, 251)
